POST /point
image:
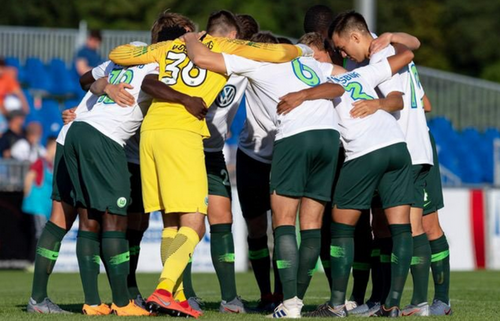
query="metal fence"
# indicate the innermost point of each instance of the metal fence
(12, 173)
(466, 101)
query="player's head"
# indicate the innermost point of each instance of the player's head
(168, 19)
(351, 35)
(223, 24)
(316, 42)
(248, 26)
(318, 18)
(94, 39)
(265, 37)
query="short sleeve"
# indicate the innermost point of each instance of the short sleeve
(326, 68)
(377, 73)
(102, 70)
(239, 65)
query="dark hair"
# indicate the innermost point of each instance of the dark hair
(169, 19)
(265, 37)
(248, 26)
(284, 40)
(96, 34)
(317, 19)
(222, 22)
(347, 21)
(170, 33)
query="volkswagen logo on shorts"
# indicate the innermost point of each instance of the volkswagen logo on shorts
(226, 96)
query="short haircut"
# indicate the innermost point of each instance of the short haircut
(317, 19)
(248, 26)
(222, 22)
(265, 37)
(96, 34)
(349, 21)
(170, 33)
(170, 19)
(284, 40)
(313, 39)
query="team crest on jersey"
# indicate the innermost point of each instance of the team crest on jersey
(226, 96)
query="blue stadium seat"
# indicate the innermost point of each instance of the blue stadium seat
(51, 118)
(62, 81)
(39, 78)
(14, 62)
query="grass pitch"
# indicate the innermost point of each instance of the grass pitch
(475, 295)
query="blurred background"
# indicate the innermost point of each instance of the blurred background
(46, 44)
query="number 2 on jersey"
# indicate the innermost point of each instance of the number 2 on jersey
(117, 77)
(172, 71)
(356, 90)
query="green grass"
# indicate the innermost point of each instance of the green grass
(475, 295)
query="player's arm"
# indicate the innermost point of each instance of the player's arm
(387, 38)
(427, 104)
(391, 103)
(162, 92)
(203, 57)
(86, 80)
(293, 100)
(128, 55)
(402, 58)
(118, 93)
(264, 52)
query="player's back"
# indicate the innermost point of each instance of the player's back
(179, 72)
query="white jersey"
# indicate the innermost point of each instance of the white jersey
(411, 118)
(361, 136)
(221, 113)
(272, 81)
(113, 121)
(87, 102)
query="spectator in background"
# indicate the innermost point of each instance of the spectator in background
(29, 148)
(88, 57)
(15, 132)
(11, 95)
(38, 188)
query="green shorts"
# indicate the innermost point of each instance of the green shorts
(304, 164)
(61, 185)
(433, 197)
(97, 166)
(419, 176)
(136, 203)
(387, 170)
(218, 177)
(252, 182)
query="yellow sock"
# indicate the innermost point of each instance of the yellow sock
(167, 237)
(179, 252)
(179, 291)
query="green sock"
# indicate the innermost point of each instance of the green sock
(362, 256)
(402, 249)
(222, 251)
(310, 244)
(376, 270)
(440, 265)
(324, 253)
(420, 265)
(341, 258)
(87, 253)
(258, 253)
(187, 281)
(47, 251)
(116, 253)
(385, 266)
(134, 238)
(278, 285)
(287, 259)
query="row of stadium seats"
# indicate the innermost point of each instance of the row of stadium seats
(468, 153)
(52, 79)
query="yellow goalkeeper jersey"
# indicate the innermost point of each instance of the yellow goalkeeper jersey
(177, 70)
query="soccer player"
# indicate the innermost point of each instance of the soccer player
(375, 146)
(173, 170)
(303, 175)
(352, 37)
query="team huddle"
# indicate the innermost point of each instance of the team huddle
(335, 140)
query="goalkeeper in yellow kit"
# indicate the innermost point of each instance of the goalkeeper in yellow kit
(174, 178)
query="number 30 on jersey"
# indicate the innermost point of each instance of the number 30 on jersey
(190, 75)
